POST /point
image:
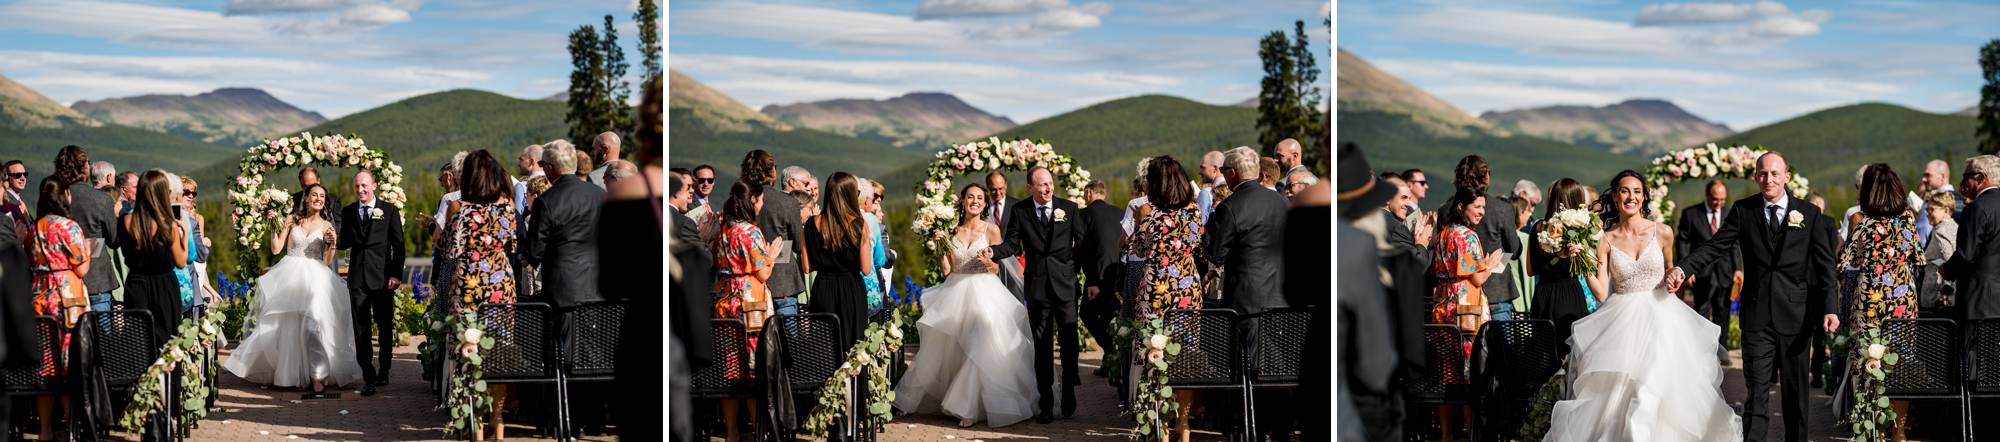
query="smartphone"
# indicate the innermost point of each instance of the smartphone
(177, 212)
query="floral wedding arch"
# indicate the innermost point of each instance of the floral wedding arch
(1706, 162)
(937, 200)
(258, 208)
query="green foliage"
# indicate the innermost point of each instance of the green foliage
(128, 148)
(185, 353)
(1989, 98)
(1871, 415)
(1829, 145)
(1397, 141)
(648, 17)
(1154, 405)
(1541, 407)
(597, 88)
(1289, 104)
(873, 353)
(466, 396)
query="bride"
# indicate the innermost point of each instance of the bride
(974, 361)
(1642, 367)
(302, 332)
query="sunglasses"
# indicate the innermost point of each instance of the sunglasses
(188, 194)
(704, 181)
(16, 175)
(1424, 183)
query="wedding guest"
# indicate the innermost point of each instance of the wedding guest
(1697, 225)
(198, 246)
(102, 174)
(704, 183)
(1936, 177)
(1558, 293)
(481, 243)
(529, 281)
(17, 182)
(583, 167)
(151, 239)
(1976, 266)
(530, 165)
(62, 260)
(1419, 187)
(1404, 255)
(1462, 268)
(1517, 266)
(743, 264)
(798, 179)
(1098, 258)
(1374, 349)
(678, 197)
(1937, 294)
(996, 184)
(837, 242)
(128, 192)
(1168, 243)
(563, 238)
(1268, 173)
(1884, 244)
(872, 234)
(184, 275)
(1816, 200)
(1246, 236)
(615, 170)
(779, 221)
(604, 149)
(1526, 193)
(1298, 181)
(17, 312)
(807, 207)
(1135, 208)
(1211, 183)
(1012, 270)
(94, 212)
(435, 225)
(625, 210)
(1496, 232)
(887, 268)
(1291, 160)
(1853, 213)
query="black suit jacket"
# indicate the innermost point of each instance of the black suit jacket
(1496, 233)
(376, 244)
(1406, 262)
(1098, 252)
(1050, 276)
(18, 336)
(686, 232)
(564, 241)
(1246, 236)
(1784, 273)
(97, 214)
(1976, 266)
(1691, 232)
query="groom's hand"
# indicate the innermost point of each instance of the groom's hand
(1832, 322)
(1090, 293)
(1674, 279)
(393, 283)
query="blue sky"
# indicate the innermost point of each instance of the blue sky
(332, 56)
(1744, 64)
(1023, 59)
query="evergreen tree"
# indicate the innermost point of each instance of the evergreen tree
(1288, 105)
(648, 17)
(597, 87)
(1989, 98)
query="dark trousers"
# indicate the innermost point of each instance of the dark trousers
(1765, 354)
(1053, 323)
(377, 308)
(1711, 300)
(1097, 315)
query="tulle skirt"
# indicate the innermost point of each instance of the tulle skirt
(303, 330)
(975, 358)
(1642, 368)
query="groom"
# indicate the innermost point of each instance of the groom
(374, 231)
(1042, 228)
(1788, 264)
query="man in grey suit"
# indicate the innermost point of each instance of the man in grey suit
(97, 214)
(778, 220)
(1976, 266)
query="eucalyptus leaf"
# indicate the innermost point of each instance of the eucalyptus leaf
(1882, 401)
(1890, 358)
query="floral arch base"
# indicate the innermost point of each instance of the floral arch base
(937, 200)
(1707, 162)
(259, 208)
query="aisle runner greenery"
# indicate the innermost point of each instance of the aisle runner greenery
(183, 353)
(872, 353)
(467, 397)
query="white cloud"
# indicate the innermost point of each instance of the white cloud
(334, 89)
(1001, 17)
(985, 8)
(1708, 13)
(1591, 38)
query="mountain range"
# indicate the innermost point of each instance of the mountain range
(1646, 126)
(921, 121)
(33, 128)
(228, 116)
(706, 126)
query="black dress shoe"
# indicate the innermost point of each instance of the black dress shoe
(1068, 403)
(368, 390)
(1044, 418)
(383, 382)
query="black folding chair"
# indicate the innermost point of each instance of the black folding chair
(812, 355)
(522, 352)
(1512, 360)
(1281, 341)
(730, 376)
(122, 345)
(1982, 366)
(1928, 360)
(1440, 382)
(592, 351)
(43, 378)
(1210, 358)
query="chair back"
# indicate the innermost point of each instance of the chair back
(1281, 345)
(1442, 379)
(812, 348)
(42, 376)
(1983, 359)
(1927, 357)
(1519, 355)
(730, 373)
(521, 349)
(593, 337)
(122, 341)
(1209, 347)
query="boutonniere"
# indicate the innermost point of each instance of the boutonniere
(1795, 221)
(1061, 215)
(375, 213)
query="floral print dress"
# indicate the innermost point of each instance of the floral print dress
(481, 239)
(1169, 244)
(739, 255)
(1456, 258)
(1886, 252)
(59, 249)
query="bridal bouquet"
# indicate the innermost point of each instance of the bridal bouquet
(1573, 234)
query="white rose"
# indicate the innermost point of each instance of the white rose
(896, 332)
(472, 335)
(1875, 351)
(1157, 342)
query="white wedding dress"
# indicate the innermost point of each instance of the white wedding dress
(1642, 368)
(975, 356)
(303, 331)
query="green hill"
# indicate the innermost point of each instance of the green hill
(33, 128)
(1827, 146)
(1396, 141)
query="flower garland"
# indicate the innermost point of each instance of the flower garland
(1704, 163)
(257, 207)
(873, 352)
(1871, 414)
(467, 396)
(183, 353)
(937, 202)
(1154, 405)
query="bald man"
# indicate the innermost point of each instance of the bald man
(1211, 183)
(603, 149)
(1291, 157)
(1937, 176)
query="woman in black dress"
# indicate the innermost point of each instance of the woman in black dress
(1558, 293)
(834, 247)
(150, 239)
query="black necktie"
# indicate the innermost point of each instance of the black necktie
(1045, 214)
(1773, 220)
